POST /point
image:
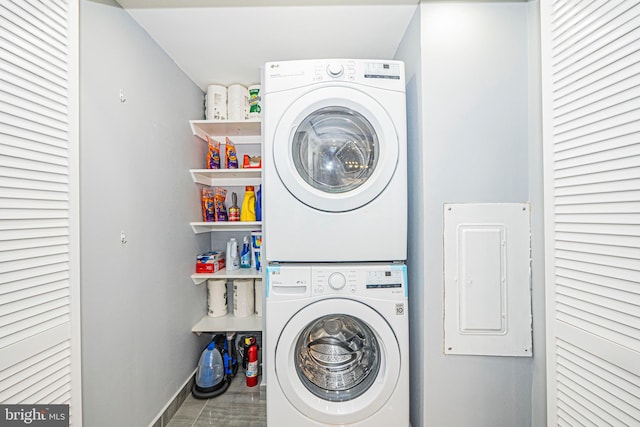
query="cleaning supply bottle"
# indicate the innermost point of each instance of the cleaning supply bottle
(245, 255)
(234, 210)
(232, 261)
(248, 212)
(259, 204)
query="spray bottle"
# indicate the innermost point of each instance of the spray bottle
(245, 255)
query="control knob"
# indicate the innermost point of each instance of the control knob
(337, 281)
(335, 70)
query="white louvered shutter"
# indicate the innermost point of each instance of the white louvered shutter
(591, 121)
(39, 333)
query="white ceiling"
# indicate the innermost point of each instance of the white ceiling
(227, 41)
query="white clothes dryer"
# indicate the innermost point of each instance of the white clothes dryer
(334, 161)
(337, 345)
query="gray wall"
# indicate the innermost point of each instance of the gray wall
(409, 52)
(471, 142)
(138, 303)
(536, 197)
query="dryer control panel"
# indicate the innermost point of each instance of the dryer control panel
(285, 75)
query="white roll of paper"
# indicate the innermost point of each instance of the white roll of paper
(259, 291)
(217, 298)
(243, 297)
(237, 102)
(216, 102)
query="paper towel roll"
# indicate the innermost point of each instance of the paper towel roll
(216, 297)
(259, 291)
(255, 101)
(237, 102)
(243, 297)
(216, 103)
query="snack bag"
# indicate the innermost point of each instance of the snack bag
(213, 155)
(208, 207)
(231, 154)
(220, 208)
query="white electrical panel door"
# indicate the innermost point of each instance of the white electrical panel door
(487, 279)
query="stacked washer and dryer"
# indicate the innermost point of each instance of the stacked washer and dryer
(335, 243)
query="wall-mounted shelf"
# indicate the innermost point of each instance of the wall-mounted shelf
(206, 227)
(227, 177)
(242, 273)
(227, 323)
(202, 128)
(246, 134)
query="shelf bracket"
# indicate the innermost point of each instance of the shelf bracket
(198, 280)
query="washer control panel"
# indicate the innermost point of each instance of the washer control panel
(385, 279)
(370, 279)
(375, 280)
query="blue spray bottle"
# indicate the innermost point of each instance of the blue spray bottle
(245, 255)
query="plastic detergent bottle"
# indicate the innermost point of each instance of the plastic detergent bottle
(248, 212)
(259, 204)
(232, 261)
(245, 255)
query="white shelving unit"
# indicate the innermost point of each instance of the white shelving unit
(227, 323)
(222, 128)
(207, 227)
(228, 178)
(243, 273)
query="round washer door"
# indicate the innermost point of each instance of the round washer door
(337, 361)
(335, 149)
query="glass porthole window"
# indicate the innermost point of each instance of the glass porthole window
(337, 357)
(335, 149)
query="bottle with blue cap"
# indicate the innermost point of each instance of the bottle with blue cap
(232, 261)
(245, 255)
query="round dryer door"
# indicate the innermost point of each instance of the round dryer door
(335, 149)
(334, 367)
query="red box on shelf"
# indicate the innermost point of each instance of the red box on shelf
(202, 267)
(210, 262)
(250, 162)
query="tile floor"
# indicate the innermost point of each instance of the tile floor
(239, 406)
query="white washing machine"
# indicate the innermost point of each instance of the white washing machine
(334, 161)
(337, 343)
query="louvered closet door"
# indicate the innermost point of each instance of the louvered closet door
(39, 334)
(591, 110)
